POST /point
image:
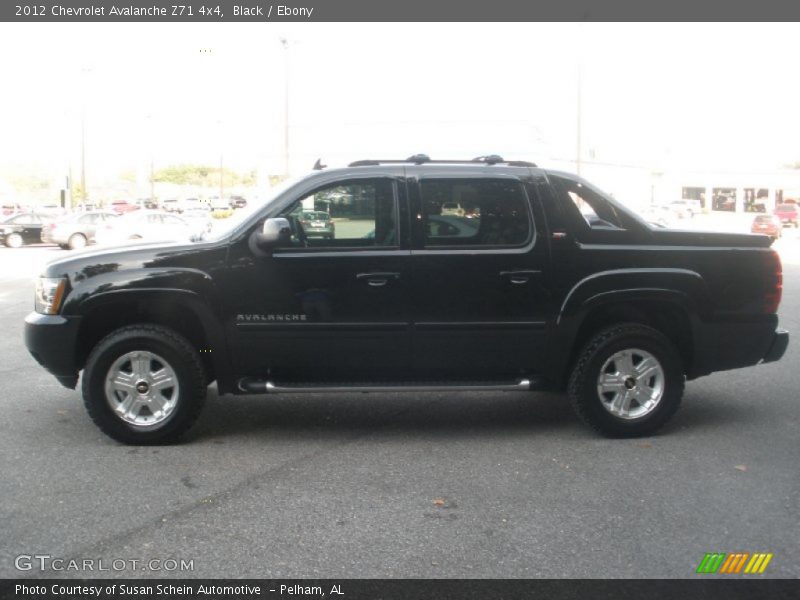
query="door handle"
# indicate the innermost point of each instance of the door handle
(377, 279)
(519, 277)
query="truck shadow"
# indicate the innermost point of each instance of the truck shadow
(331, 415)
(420, 415)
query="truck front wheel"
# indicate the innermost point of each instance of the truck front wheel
(144, 384)
(628, 381)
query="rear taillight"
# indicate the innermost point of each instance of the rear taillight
(772, 298)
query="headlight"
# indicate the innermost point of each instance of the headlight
(49, 294)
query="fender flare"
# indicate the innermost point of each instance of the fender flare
(188, 299)
(682, 288)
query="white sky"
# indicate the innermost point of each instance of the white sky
(661, 96)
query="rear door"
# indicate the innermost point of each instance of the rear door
(479, 294)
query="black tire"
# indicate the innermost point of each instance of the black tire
(77, 241)
(181, 357)
(583, 382)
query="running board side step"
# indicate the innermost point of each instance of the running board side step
(260, 386)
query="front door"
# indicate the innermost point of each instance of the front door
(479, 290)
(332, 305)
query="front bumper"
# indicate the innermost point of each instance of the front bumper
(52, 341)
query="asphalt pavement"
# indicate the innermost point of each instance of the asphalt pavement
(398, 485)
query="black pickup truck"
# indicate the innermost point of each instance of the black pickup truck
(442, 275)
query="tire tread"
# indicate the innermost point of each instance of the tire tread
(578, 375)
(196, 396)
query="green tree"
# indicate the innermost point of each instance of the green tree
(201, 175)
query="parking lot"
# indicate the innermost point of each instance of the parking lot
(401, 485)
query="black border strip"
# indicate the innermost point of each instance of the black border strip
(732, 588)
(405, 11)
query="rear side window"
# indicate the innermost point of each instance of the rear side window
(475, 213)
(595, 211)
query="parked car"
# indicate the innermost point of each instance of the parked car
(145, 225)
(220, 208)
(190, 203)
(148, 203)
(238, 202)
(686, 208)
(51, 210)
(618, 315)
(11, 209)
(123, 206)
(77, 230)
(24, 228)
(767, 225)
(170, 205)
(788, 214)
(317, 223)
(199, 220)
(660, 216)
(453, 208)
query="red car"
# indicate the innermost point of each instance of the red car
(767, 225)
(787, 213)
(123, 206)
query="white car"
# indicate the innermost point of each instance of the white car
(686, 208)
(147, 225)
(453, 209)
(199, 219)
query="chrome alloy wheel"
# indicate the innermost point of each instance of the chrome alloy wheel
(142, 389)
(631, 384)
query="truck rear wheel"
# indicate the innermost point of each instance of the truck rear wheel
(628, 381)
(144, 384)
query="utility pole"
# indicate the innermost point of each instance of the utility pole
(285, 44)
(83, 152)
(85, 75)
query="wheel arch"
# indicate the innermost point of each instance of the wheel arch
(182, 311)
(669, 300)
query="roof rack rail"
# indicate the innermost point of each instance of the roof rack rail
(420, 159)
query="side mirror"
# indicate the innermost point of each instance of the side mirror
(275, 232)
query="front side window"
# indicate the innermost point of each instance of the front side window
(474, 212)
(349, 214)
